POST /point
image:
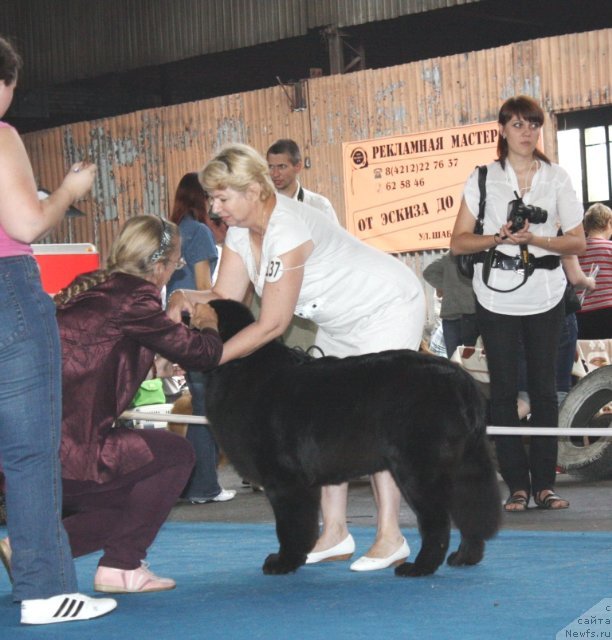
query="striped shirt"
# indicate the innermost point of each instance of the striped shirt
(599, 252)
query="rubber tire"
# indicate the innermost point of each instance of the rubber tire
(586, 398)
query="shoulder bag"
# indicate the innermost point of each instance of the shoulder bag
(465, 263)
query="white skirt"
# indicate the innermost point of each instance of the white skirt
(397, 325)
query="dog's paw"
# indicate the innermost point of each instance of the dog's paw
(467, 554)
(413, 570)
(275, 564)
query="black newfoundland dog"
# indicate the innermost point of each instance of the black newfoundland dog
(292, 423)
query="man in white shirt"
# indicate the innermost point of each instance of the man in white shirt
(285, 163)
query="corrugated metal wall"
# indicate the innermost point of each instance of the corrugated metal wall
(346, 13)
(142, 156)
(135, 33)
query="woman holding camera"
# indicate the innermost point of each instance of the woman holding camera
(527, 200)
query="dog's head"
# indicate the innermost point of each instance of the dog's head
(233, 317)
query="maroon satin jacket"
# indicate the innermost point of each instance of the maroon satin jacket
(110, 335)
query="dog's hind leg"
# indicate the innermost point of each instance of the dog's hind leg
(429, 499)
(296, 509)
(475, 503)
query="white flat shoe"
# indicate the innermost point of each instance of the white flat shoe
(366, 563)
(342, 551)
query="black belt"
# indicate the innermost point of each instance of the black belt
(514, 263)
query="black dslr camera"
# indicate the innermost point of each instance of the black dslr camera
(518, 212)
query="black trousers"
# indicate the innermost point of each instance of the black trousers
(535, 470)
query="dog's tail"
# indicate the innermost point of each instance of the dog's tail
(475, 498)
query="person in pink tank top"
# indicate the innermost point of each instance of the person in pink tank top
(36, 553)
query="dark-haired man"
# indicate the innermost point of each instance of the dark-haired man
(285, 163)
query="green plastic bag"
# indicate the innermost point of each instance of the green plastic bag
(150, 392)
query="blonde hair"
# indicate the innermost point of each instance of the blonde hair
(237, 166)
(141, 244)
(597, 217)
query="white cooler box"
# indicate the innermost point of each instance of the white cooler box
(163, 409)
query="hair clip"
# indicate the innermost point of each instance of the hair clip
(165, 241)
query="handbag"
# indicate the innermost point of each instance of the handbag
(473, 360)
(465, 262)
(150, 392)
(571, 300)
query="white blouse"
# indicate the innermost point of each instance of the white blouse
(551, 189)
(345, 280)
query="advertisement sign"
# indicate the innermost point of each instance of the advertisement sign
(403, 193)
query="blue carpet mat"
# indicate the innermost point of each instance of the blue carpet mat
(529, 586)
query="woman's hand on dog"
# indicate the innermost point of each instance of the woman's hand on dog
(178, 304)
(204, 317)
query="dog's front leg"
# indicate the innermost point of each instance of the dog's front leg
(296, 509)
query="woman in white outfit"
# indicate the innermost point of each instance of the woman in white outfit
(362, 300)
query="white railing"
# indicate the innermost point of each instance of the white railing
(493, 431)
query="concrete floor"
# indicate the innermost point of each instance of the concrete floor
(590, 508)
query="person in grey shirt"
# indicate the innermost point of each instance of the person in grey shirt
(458, 307)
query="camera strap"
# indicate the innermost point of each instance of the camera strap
(482, 188)
(524, 266)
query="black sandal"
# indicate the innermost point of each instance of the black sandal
(547, 501)
(518, 499)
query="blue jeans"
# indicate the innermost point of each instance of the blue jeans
(30, 428)
(539, 334)
(567, 353)
(203, 482)
(463, 330)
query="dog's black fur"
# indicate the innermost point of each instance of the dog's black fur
(293, 424)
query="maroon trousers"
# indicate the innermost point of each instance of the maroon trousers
(122, 517)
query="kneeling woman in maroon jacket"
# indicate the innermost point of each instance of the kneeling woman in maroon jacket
(120, 484)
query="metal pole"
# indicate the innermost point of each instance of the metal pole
(163, 417)
(493, 431)
(548, 431)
